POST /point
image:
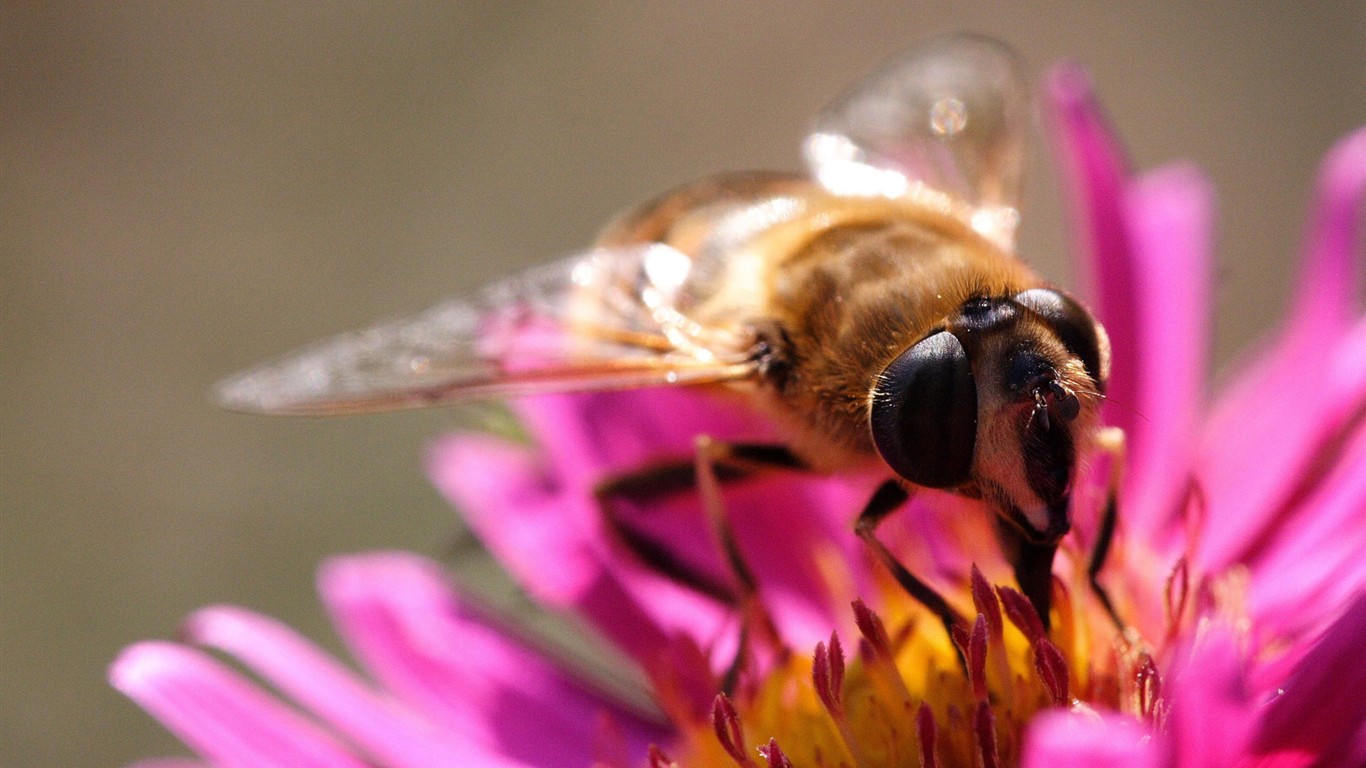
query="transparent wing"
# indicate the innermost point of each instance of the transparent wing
(607, 319)
(945, 121)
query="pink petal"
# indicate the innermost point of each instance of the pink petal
(1315, 565)
(512, 502)
(1096, 178)
(1263, 437)
(1325, 295)
(1260, 467)
(1147, 253)
(222, 717)
(299, 669)
(1211, 709)
(1170, 215)
(551, 538)
(398, 614)
(1319, 719)
(588, 436)
(1086, 740)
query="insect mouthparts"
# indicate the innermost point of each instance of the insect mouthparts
(1068, 404)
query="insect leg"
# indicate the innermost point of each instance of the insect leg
(649, 483)
(1111, 441)
(1032, 563)
(754, 616)
(887, 499)
(729, 462)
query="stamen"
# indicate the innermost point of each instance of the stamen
(984, 724)
(774, 754)
(726, 723)
(880, 662)
(827, 673)
(961, 640)
(977, 658)
(984, 599)
(1021, 613)
(1149, 687)
(873, 630)
(927, 730)
(1052, 667)
(1175, 593)
(658, 759)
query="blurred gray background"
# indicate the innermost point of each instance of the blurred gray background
(186, 189)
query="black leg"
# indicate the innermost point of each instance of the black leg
(729, 462)
(1032, 563)
(1099, 552)
(1111, 441)
(887, 499)
(652, 483)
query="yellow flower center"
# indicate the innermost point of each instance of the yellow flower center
(910, 692)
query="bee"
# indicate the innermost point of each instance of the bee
(874, 307)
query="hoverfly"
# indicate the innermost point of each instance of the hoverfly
(874, 307)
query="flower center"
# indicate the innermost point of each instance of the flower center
(912, 693)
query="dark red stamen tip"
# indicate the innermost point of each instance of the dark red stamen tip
(1052, 667)
(820, 677)
(660, 760)
(961, 639)
(1177, 587)
(1021, 613)
(1149, 684)
(836, 664)
(984, 725)
(871, 627)
(827, 674)
(726, 723)
(986, 603)
(926, 729)
(977, 658)
(775, 756)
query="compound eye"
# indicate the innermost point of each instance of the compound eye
(1075, 327)
(924, 414)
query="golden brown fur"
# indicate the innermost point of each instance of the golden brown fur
(852, 282)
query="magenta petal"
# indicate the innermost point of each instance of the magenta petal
(1170, 214)
(512, 503)
(589, 436)
(545, 529)
(298, 668)
(399, 615)
(1270, 443)
(1211, 707)
(1325, 296)
(222, 717)
(1077, 740)
(1315, 565)
(1147, 251)
(1279, 426)
(1319, 718)
(1096, 178)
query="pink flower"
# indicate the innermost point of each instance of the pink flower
(449, 686)
(1238, 569)
(1256, 499)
